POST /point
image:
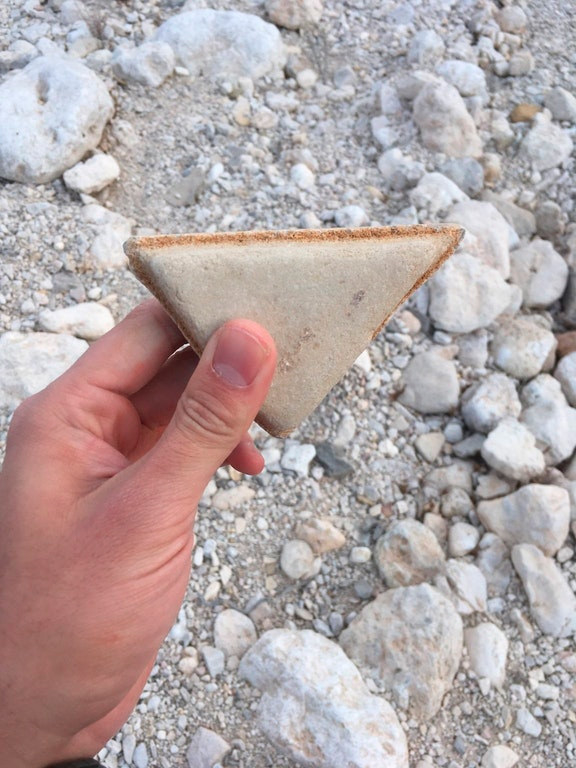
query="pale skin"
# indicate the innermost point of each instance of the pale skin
(98, 495)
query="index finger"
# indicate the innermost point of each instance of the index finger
(129, 356)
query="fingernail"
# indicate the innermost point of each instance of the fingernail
(238, 357)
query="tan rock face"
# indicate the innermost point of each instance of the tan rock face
(323, 295)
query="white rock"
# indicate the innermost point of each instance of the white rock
(444, 122)
(408, 553)
(485, 404)
(390, 104)
(360, 555)
(494, 562)
(302, 176)
(297, 457)
(466, 294)
(561, 103)
(232, 498)
(490, 229)
(298, 674)
(206, 749)
(541, 273)
(430, 445)
(351, 216)
(512, 18)
(522, 348)
(430, 384)
(30, 361)
(487, 649)
(426, 48)
(468, 585)
(463, 538)
(410, 638)
(535, 514)
(500, 756)
(140, 758)
(234, 633)
(511, 450)
(214, 660)
(93, 174)
(527, 723)
(147, 64)
(399, 171)
(224, 43)
(320, 534)
(550, 419)
(294, 14)
(552, 602)
(53, 113)
(298, 560)
(545, 145)
(88, 320)
(456, 503)
(113, 229)
(566, 374)
(467, 78)
(435, 193)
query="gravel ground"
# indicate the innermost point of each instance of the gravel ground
(191, 127)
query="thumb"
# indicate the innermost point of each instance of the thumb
(218, 405)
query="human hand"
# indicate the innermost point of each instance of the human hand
(98, 493)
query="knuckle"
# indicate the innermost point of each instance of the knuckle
(206, 416)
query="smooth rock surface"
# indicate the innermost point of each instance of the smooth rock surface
(545, 145)
(430, 384)
(411, 639)
(541, 273)
(487, 650)
(511, 450)
(30, 361)
(500, 756)
(444, 122)
(552, 602)
(522, 348)
(294, 14)
(234, 632)
(485, 404)
(490, 229)
(93, 174)
(148, 64)
(561, 103)
(466, 294)
(88, 320)
(535, 514)
(550, 419)
(298, 561)
(468, 586)
(299, 674)
(53, 113)
(223, 43)
(566, 374)
(408, 553)
(206, 749)
(435, 193)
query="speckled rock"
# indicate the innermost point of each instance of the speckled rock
(408, 553)
(523, 348)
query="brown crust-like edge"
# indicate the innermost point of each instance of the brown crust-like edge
(158, 242)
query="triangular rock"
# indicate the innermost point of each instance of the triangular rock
(323, 295)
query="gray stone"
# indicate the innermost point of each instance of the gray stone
(93, 174)
(297, 457)
(521, 63)
(214, 660)
(435, 193)
(566, 374)
(399, 171)
(429, 445)
(234, 633)
(468, 586)
(466, 294)
(112, 230)
(407, 554)
(350, 216)
(522, 348)
(298, 674)
(30, 361)
(466, 172)
(147, 64)
(444, 122)
(206, 749)
(561, 103)
(545, 145)
(88, 320)
(456, 503)
(527, 723)
(535, 514)
(463, 538)
(541, 273)
(294, 14)
(426, 48)
(500, 756)
(331, 458)
(458, 474)
(430, 384)
(550, 419)
(485, 404)
(512, 18)
(298, 560)
(53, 113)
(549, 219)
(552, 602)
(494, 561)
(410, 638)
(224, 43)
(520, 219)
(473, 349)
(490, 229)
(510, 449)
(487, 650)
(467, 78)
